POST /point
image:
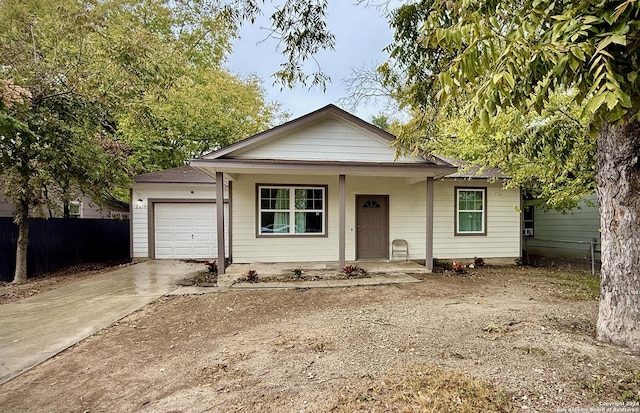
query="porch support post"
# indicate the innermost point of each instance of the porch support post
(220, 220)
(342, 220)
(429, 235)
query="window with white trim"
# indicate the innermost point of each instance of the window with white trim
(75, 209)
(470, 210)
(293, 210)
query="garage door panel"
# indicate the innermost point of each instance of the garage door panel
(183, 237)
(183, 252)
(202, 237)
(203, 251)
(186, 223)
(202, 224)
(163, 251)
(185, 230)
(163, 237)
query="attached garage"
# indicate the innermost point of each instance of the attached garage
(185, 230)
(174, 215)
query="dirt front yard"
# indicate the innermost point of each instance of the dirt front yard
(529, 333)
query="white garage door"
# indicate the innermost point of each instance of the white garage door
(185, 230)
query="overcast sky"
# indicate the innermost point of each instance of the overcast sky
(361, 34)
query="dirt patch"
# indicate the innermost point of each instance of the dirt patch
(517, 333)
(49, 281)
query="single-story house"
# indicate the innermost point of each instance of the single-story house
(551, 233)
(325, 187)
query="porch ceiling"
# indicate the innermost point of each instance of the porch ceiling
(405, 170)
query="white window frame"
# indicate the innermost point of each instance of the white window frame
(483, 191)
(79, 213)
(292, 211)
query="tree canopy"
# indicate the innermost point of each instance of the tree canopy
(95, 91)
(524, 86)
(550, 155)
(518, 53)
(515, 54)
(197, 114)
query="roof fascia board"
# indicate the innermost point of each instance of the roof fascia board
(229, 165)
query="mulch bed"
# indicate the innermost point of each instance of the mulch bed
(201, 279)
(307, 275)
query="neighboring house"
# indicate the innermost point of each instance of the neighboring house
(85, 207)
(174, 214)
(325, 187)
(561, 235)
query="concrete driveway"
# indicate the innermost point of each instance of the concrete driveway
(37, 328)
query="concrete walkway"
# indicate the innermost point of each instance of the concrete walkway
(39, 327)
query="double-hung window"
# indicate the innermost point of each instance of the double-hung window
(471, 212)
(291, 210)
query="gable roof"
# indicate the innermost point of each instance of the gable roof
(181, 175)
(326, 112)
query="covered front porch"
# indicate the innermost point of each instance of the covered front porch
(406, 205)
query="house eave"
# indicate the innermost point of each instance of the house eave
(284, 167)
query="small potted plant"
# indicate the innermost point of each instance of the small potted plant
(353, 271)
(251, 276)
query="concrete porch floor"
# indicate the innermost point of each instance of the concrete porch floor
(382, 272)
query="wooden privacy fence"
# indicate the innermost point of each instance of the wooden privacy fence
(57, 243)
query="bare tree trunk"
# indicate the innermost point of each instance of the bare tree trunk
(22, 219)
(618, 189)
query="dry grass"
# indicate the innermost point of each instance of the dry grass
(573, 285)
(427, 388)
(623, 388)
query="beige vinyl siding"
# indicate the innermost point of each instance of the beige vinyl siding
(140, 224)
(407, 220)
(566, 235)
(248, 248)
(7, 208)
(330, 139)
(502, 239)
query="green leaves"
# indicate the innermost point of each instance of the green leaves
(522, 51)
(525, 82)
(549, 155)
(200, 113)
(116, 87)
(301, 26)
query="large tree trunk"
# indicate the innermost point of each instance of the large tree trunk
(618, 189)
(22, 219)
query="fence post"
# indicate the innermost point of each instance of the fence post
(593, 258)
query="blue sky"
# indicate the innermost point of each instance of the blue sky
(361, 35)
